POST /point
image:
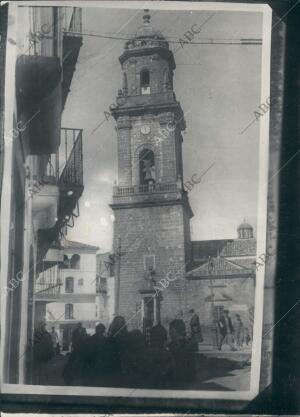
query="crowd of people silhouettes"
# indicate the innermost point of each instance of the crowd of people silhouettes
(119, 357)
(123, 358)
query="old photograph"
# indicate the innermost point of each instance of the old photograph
(134, 199)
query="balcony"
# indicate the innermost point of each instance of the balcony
(145, 189)
(38, 98)
(64, 169)
(72, 42)
(48, 285)
(152, 193)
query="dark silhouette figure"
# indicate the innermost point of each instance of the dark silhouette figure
(239, 331)
(79, 336)
(74, 371)
(226, 330)
(117, 343)
(43, 352)
(159, 359)
(247, 336)
(183, 355)
(134, 361)
(196, 333)
(55, 342)
(96, 356)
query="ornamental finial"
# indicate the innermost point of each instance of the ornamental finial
(146, 17)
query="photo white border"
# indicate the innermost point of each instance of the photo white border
(262, 201)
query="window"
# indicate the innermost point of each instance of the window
(98, 284)
(101, 284)
(75, 262)
(69, 311)
(149, 262)
(69, 285)
(80, 282)
(145, 82)
(218, 311)
(147, 167)
(66, 263)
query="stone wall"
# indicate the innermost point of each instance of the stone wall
(157, 231)
(240, 292)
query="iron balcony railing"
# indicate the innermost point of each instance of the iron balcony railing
(72, 172)
(145, 189)
(48, 284)
(66, 165)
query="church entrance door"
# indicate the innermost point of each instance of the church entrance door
(151, 314)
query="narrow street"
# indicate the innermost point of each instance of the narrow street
(212, 373)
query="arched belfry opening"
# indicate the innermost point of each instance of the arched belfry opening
(145, 81)
(147, 167)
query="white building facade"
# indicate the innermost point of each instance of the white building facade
(81, 296)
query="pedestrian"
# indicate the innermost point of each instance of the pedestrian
(117, 345)
(196, 333)
(78, 337)
(134, 360)
(43, 352)
(74, 371)
(247, 336)
(95, 356)
(160, 359)
(183, 355)
(226, 330)
(239, 331)
(55, 342)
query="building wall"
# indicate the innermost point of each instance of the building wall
(111, 294)
(240, 290)
(105, 270)
(160, 140)
(89, 313)
(156, 66)
(159, 231)
(26, 196)
(87, 272)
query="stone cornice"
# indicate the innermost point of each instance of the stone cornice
(142, 204)
(154, 109)
(163, 52)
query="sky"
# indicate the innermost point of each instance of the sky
(218, 87)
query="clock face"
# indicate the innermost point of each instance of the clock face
(145, 129)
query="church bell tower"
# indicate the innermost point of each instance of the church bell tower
(151, 208)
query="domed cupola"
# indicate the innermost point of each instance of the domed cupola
(147, 30)
(147, 65)
(147, 36)
(245, 231)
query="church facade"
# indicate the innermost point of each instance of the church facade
(151, 207)
(222, 277)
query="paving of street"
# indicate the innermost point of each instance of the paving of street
(213, 373)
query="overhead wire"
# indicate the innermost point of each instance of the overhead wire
(205, 41)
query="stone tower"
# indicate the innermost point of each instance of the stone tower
(151, 208)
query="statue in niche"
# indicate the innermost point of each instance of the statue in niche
(149, 171)
(147, 167)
